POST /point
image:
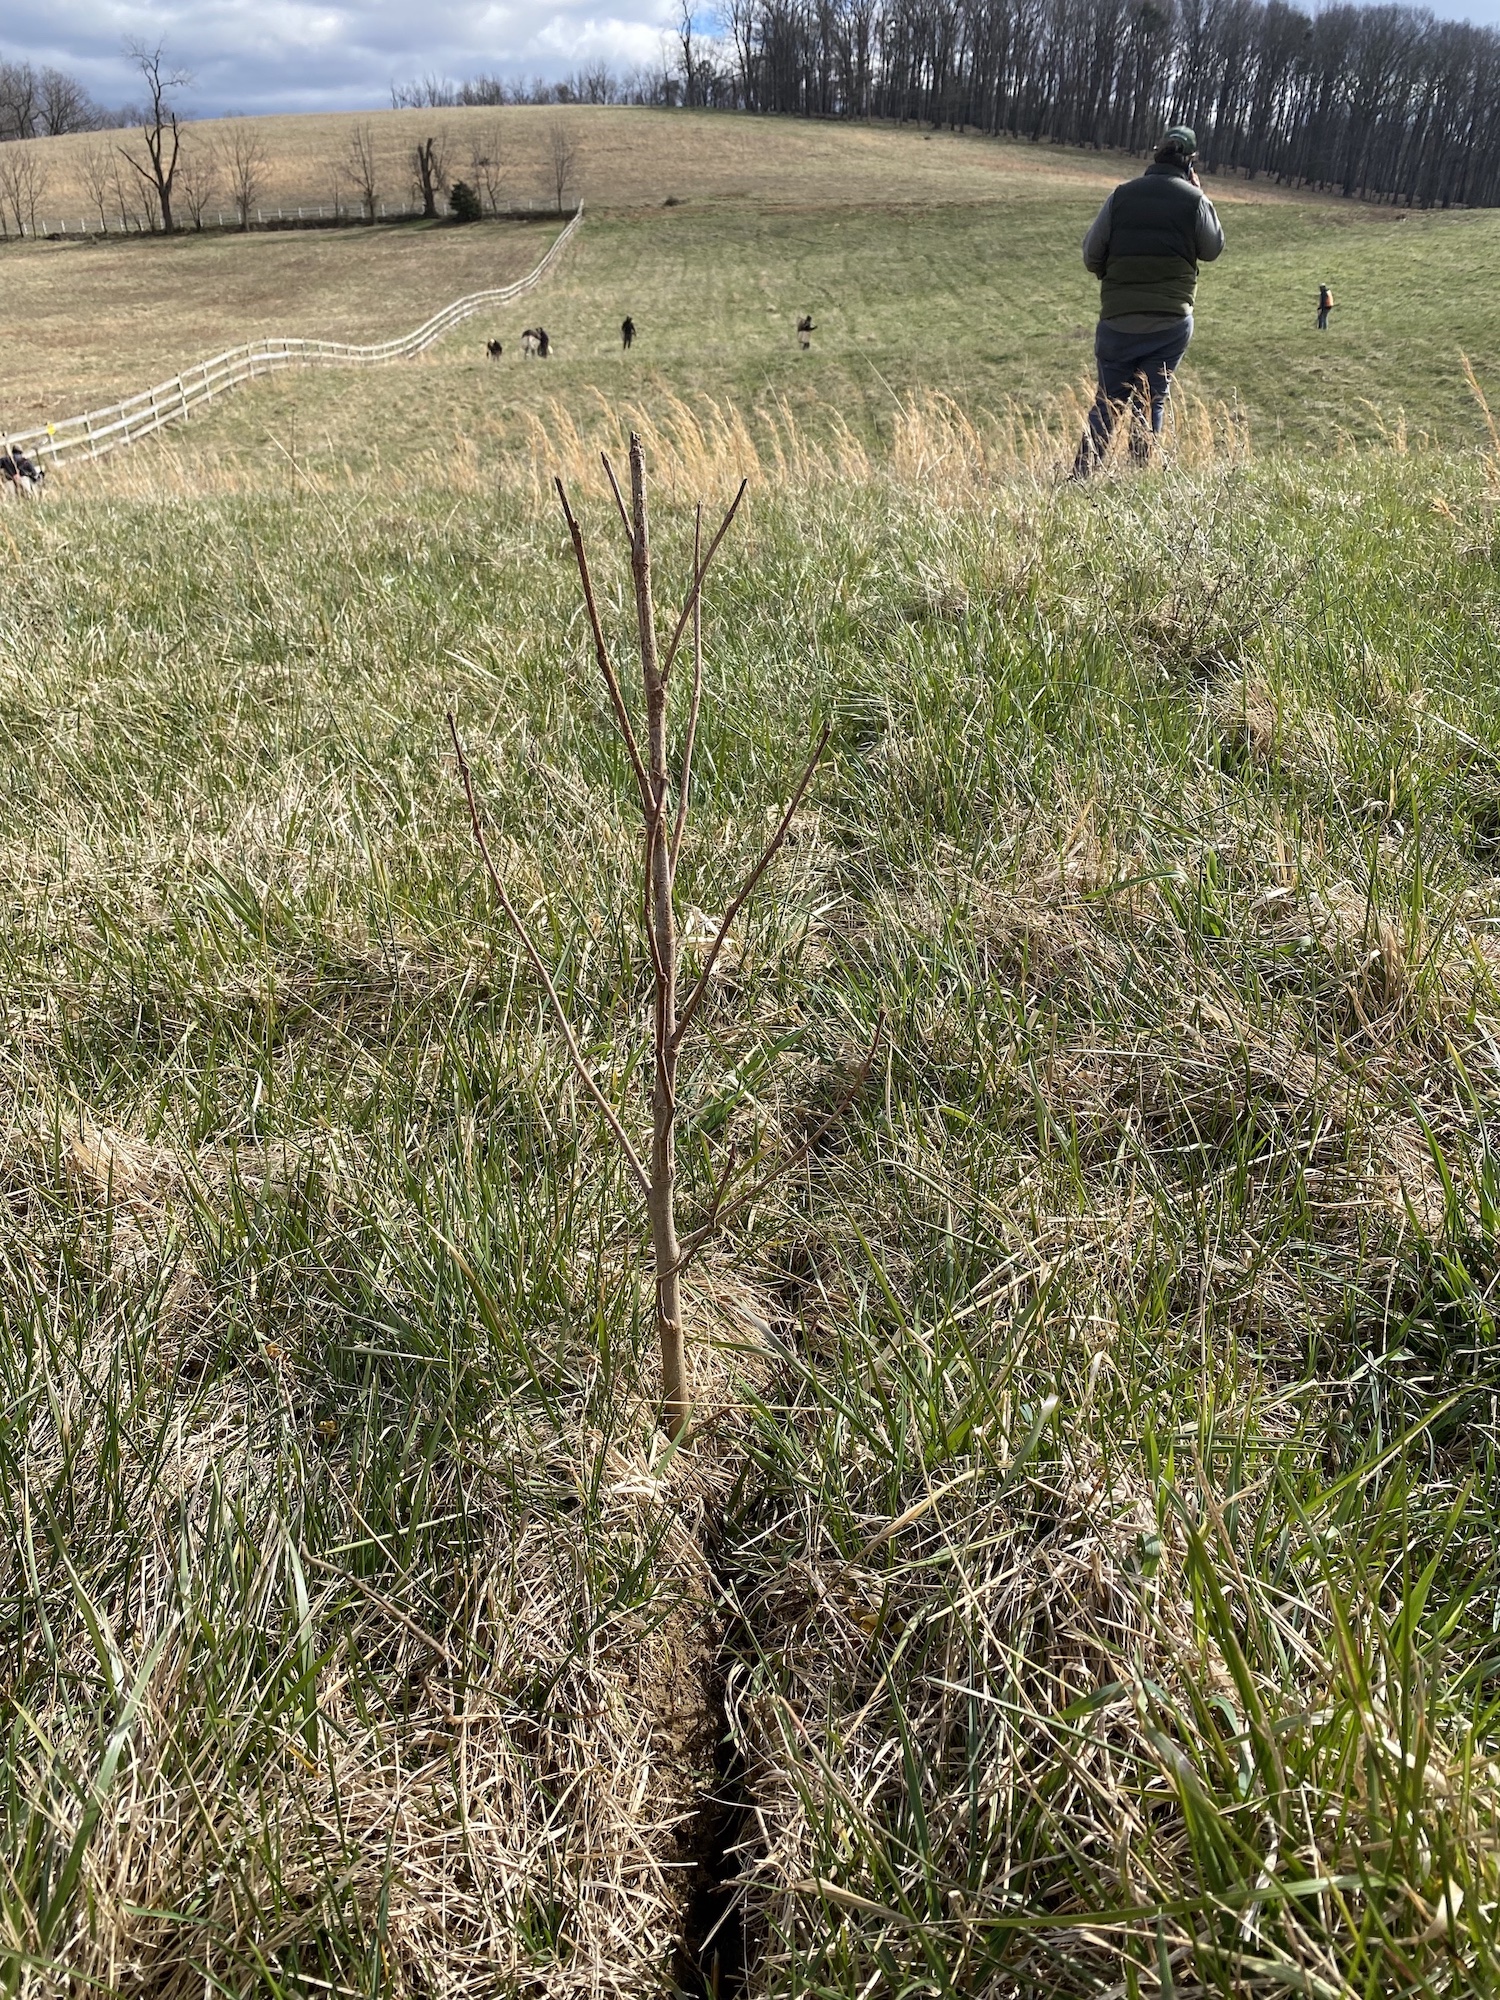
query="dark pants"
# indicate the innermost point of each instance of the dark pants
(1135, 373)
(1323, 312)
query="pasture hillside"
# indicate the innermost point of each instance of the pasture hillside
(623, 158)
(930, 261)
(1081, 1576)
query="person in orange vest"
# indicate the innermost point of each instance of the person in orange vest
(1325, 307)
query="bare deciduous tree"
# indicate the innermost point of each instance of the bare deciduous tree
(64, 106)
(198, 178)
(97, 169)
(20, 100)
(23, 183)
(562, 158)
(246, 166)
(427, 93)
(484, 165)
(161, 132)
(429, 162)
(664, 819)
(132, 201)
(364, 169)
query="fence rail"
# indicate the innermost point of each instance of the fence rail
(101, 431)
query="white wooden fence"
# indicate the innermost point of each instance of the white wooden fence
(101, 431)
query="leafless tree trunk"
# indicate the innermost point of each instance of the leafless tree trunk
(364, 169)
(562, 157)
(160, 130)
(664, 821)
(246, 165)
(691, 87)
(429, 159)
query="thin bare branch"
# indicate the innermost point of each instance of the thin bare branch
(721, 1188)
(701, 985)
(685, 783)
(653, 835)
(580, 1066)
(614, 487)
(718, 1215)
(700, 571)
(601, 651)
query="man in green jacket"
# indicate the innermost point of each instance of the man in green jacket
(1145, 246)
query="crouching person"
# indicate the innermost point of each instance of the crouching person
(1145, 247)
(19, 473)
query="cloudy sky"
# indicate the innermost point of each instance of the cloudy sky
(300, 55)
(303, 55)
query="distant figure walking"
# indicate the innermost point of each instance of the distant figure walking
(1144, 247)
(1325, 307)
(627, 332)
(534, 341)
(805, 328)
(493, 349)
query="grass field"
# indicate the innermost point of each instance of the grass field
(928, 261)
(1082, 1576)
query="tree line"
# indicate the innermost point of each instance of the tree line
(1384, 102)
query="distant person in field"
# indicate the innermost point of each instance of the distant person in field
(627, 332)
(1325, 307)
(805, 330)
(1144, 246)
(19, 472)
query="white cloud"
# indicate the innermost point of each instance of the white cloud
(294, 55)
(265, 55)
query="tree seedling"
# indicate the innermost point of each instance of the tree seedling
(664, 819)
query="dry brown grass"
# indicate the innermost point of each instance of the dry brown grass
(700, 447)
(630, 158)
(937, 448)
(88, 322)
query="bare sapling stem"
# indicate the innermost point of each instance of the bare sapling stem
(661, 925)
(662, 835)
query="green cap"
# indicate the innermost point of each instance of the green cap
(1182, 139)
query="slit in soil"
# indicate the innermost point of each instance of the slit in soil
(711, 1958)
